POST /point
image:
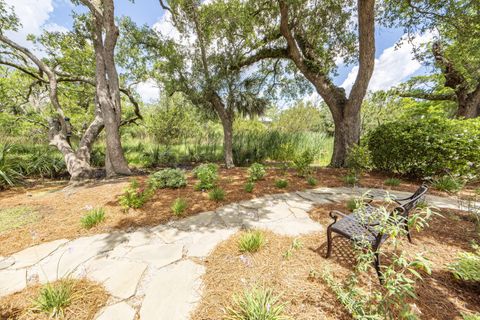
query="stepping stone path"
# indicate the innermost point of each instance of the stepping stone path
(155, 273)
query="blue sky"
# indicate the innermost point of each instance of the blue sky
(392, 65)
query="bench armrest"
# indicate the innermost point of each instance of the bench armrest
(334, 214)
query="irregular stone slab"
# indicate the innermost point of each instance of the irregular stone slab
(231, 215)
(278, 211)
(141, 237)
(199, 221)
(158, 255)
(12, 281)
(120, 277)
(255, 203)
(33, 255)
(173, 293)
(205, 242)
(299, 204)
(6, 262)
(317, 198)
(119, 311)
(289, 227)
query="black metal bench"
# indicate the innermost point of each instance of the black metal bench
(356, 229)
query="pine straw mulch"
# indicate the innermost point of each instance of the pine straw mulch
(440, 296)
(60, 207)
(87, 299)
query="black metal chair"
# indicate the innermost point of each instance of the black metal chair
(354, 228)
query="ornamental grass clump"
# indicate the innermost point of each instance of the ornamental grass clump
(179, 206)
(54, 298)
(93, 218)
(251, 241)
(256, 304)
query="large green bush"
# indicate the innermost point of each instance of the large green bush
(427, 147)
(168, 178)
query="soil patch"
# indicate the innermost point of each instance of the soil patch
(87, 299)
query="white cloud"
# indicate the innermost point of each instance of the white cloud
(53, 27)
(32, 14)
(394, 65)
(148, 91)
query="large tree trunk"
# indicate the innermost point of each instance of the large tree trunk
(228, 142)
(468, 103)
(347, 134)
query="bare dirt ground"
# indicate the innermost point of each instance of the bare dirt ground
(59, 208)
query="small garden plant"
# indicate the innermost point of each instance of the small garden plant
(249, 186)
(256, 304)
(54, 298)
(256, 172)
(93, 218)
(179, 206)
(251, 241)
(467, 265)
(312, 181)
(281, 183)
(217, 194)
(168, 178)
(208, 176)
(352, 204)
(302, 163)
(448, 183)
(393, 182)
(350, 179)
(135, 196)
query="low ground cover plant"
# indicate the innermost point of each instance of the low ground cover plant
(448, 183)
(249, 186)
(256, 304)
(350, 179)
(302, 163)
(393, 182)
(217, 194)
(256, 172)
(467, 265)
(251, 241)
(179, 206)
(207, 174)
(54, 298)
(93, 217)
(312, 181)
(135, 196)
(281, 183)
(168, 178)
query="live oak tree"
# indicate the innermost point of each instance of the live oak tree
(314, 36)
(66, 65)
(453, 52)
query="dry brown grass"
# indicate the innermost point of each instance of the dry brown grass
(87, 299)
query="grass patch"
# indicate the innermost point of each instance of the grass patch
(350, 179)
(281, 183)
(249, 187)
(93, 218)
(393, 182)
(312, 181)
(256, 304)
(13, 218)
(54, 298)
(448, 184)
(352, 204)
(251, 241)
(217, 194)
(179, 206)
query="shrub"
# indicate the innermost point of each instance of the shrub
(93, 217)
(207, 174)
(135, 196)
(359, 160)
(467, 265)
(350, 179)
(249, 186)
(281, 183)
(217, 194)
(44, 164)
(54, 298)
(256, 172)
(352, 204)
(448, 183)
(168, 178)
(10, 175)
(256, 304)
(179, 206)
(302, 163)
(251, 241)
(392, 182)
(312, 181)
(427, 147)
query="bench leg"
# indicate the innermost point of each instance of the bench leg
(408, 233)
(376, 263)
(329, 243)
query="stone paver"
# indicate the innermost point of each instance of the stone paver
(151, 272)
(173, 292)
(118, 311)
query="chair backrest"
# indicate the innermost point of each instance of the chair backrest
(414, 199)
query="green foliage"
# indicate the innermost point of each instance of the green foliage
(427, 147)
(249, 186)
(302, 163)
(312, 181)
(168, 178)
(216, 194)
(179, 206)
(251, 241)
(44, 164)
(352, 204)
(93, 218)
(12, 218)
(448, 183)
(207, 174)
(467, 265)
(350, 179)
(256, 304)
(399, 273)
(54, 298)
(296, 244)
(302, 117)
(135, 196)
(392, 182)
(10, 174)
(256, 172)
(359, 160)
(475, 316)
(281, 183)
